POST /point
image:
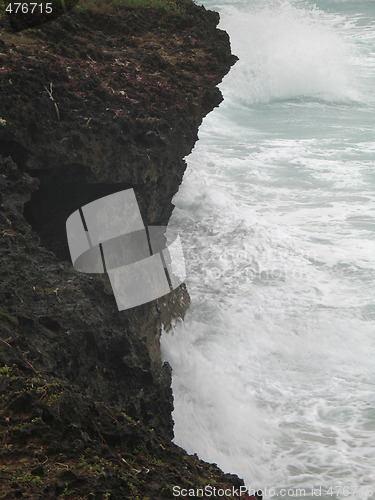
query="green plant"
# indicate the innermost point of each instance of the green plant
(6, 447)
(132, 487)
(54, 398)
(27, 478)
(168, 6)
(168, 488)
(66, 492)
(2, 9)
(4, 371)
(99, 467)
(19, 427)
(158, 463)
(128, 419)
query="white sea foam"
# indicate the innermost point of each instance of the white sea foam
(289, 51)
(273, 367)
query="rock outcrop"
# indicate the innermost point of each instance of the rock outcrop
(104, 98)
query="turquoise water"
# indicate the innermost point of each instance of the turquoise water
(273, 367)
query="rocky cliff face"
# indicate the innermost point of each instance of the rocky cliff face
(102, 99)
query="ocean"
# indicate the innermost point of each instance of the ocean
(274, 366)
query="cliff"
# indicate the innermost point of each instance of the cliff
(101, 99)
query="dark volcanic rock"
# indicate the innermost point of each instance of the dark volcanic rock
(99, 100)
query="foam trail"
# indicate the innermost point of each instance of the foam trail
(288, 52)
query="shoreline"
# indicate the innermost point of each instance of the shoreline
(101, 99)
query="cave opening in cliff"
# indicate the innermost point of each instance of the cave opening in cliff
(61, 191)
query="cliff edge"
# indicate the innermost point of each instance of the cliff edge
(106, 97)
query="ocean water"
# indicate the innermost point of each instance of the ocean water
(274, 365)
